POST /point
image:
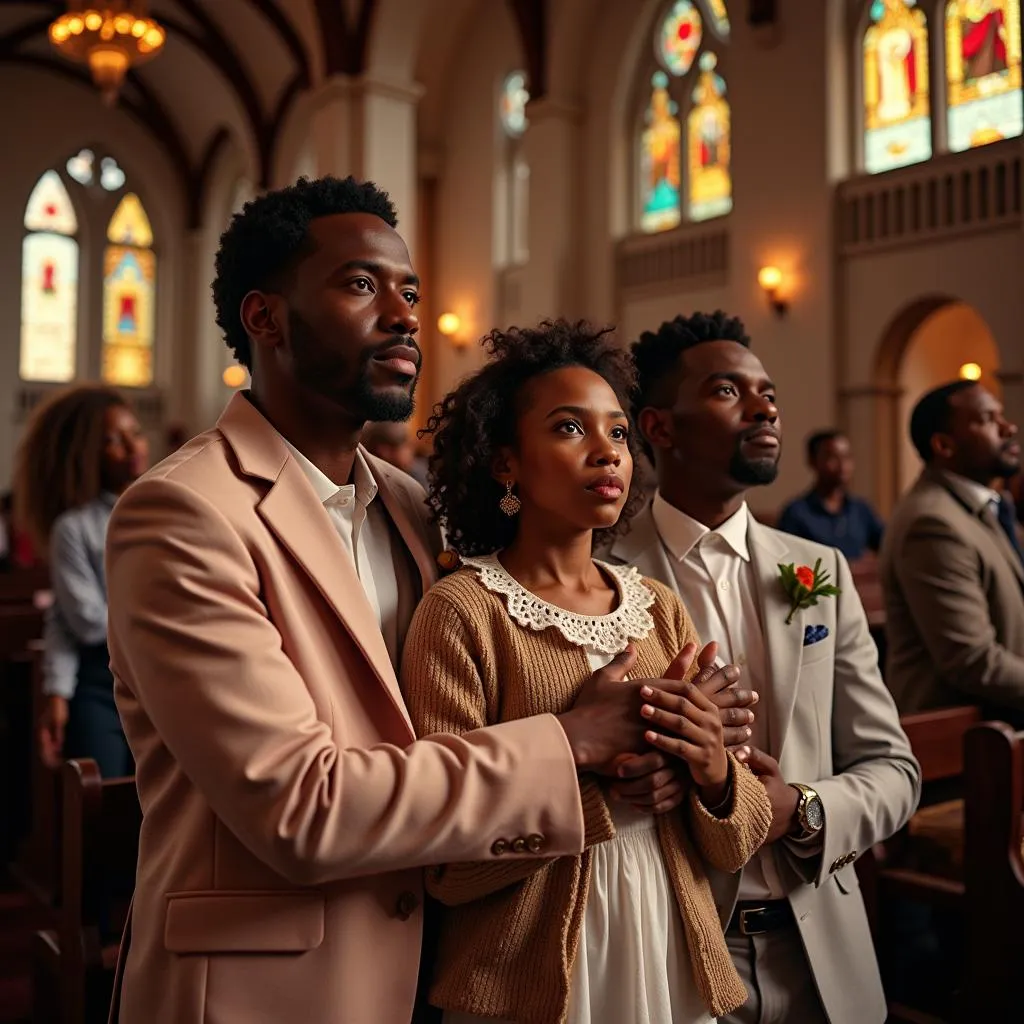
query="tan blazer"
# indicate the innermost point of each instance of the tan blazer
(833, 726)
(954, 602)
(286, 809)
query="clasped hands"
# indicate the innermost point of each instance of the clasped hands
(690, 725)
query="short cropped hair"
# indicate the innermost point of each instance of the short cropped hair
(932, 415)
(818, 438)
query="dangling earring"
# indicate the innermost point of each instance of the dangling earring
(510, 504)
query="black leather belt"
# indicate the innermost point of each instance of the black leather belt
(752, 918)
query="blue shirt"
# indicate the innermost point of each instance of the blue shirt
(78, 615)
(854, 529)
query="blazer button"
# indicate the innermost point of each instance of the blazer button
(519, 845)
(499, 847)
(407, 904)
(535, 843)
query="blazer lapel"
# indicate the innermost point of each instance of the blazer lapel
(642, 547)
(784, 643)
(295, 515)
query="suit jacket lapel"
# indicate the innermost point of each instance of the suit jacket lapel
(784, 643)
(642, 548)
(293, 512)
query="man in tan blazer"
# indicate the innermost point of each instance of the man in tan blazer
(260, 583)
(827, 742)
(951, 563)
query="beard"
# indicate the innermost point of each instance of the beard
(753, 472)
(320, 373)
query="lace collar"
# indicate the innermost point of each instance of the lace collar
(607, 634)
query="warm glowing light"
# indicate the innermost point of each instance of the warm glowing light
(970, 371)
(448, 324)
(75, 26)
(93, 20)
(234, 376)
(769, 278)
(139, 28)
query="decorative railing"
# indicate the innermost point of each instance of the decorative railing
(691, 256)
(950, 195)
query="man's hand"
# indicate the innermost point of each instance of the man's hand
(784, 798)
(52, 723)
(605, 720)
(654, 782)
(733, 702)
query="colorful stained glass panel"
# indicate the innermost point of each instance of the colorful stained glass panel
(709, 145)
(129, 288)
(130, 225)
(512, 108)
(49, 207)
(659, 160)
(49, 307)
(897, 121)
(719, 17)
(983, 72)
(679, 37)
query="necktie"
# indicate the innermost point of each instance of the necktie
(1008, 521)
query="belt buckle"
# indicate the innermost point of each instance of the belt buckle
(746, 929)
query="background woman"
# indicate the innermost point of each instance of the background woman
(533, 456)
(81, 449)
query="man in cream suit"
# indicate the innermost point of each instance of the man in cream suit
(951, 568)
(260, 584)
(827, 741)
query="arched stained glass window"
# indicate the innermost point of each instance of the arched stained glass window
(709, 144)
(983, 72)
(678, 38)
(897, 121)
(49, 284)
(719, 17)
(129, 290)
(659, 160)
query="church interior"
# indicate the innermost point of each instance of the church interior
(843, 175)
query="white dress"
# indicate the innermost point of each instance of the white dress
(632, 965)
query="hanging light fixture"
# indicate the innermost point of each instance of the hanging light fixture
(110, 37)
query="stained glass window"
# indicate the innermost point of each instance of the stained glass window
(678, 38)
(514, 97)
(897, 121)
(983, 73)
(708, 144)
(659, 160)
(129, 290)
(719, 17)
(49, 284)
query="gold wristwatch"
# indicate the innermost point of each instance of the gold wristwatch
(810, 815)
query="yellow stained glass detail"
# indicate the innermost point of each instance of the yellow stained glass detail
(49, 207)
(709, 145)
(130, 225)
(129, 289)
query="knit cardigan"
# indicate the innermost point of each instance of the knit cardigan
(510, 928)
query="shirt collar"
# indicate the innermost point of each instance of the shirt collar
(682, 533)
(977, 496)
(363, 485)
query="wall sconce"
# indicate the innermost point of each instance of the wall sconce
(970, 371)
(234, 376)
(770, 280)
(450, 325)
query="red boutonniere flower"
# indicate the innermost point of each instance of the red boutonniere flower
(804, 585)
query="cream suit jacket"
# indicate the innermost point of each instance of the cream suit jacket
(833, 726)
(287, 810)
(954, 601)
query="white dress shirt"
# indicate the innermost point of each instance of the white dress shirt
(978, 496)
(362, 525)
(716, 581)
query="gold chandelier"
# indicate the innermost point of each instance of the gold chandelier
(110, 37)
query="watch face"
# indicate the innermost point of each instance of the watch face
(814, 814)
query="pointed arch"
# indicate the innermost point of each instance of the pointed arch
(129, 293)
(49, 284)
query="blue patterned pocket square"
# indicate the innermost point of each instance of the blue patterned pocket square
(814, 634)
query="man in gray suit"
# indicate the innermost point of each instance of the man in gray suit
(827, 741)
(951, 562)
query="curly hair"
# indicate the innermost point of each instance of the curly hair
(270, 234)
(656, 354)
(58, 465)
(475, 421)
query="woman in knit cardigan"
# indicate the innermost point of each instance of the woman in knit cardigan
(533, 455)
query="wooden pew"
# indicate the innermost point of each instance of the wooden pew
(73, 964)
(20, 586)
(994, 872)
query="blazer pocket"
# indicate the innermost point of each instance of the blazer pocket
(821, 651)
(243, 922)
